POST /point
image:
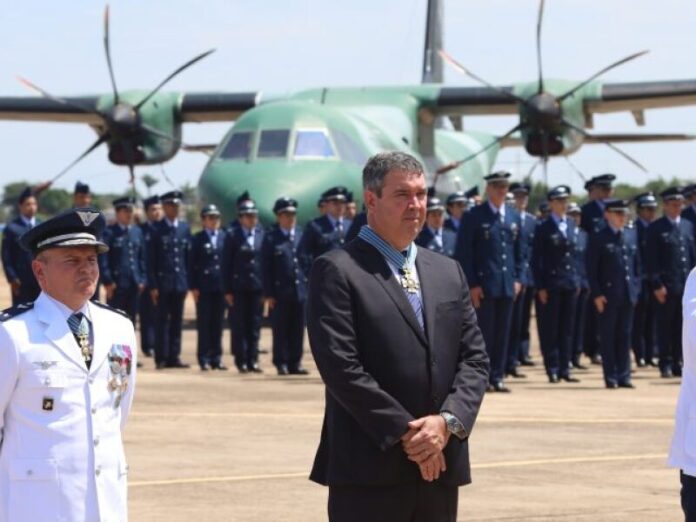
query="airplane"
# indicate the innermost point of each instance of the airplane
(300, 144)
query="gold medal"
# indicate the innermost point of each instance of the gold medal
(408, 281)
(83, 341)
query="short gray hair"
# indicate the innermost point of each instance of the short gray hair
(381, 164)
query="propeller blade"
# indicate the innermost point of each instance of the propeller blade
(172, 75)
(103, 138)
(538, 42)
(533, 169)
(575, 169)
(107, 50)
(599, 73)
(459, 67)
(56, 99)
(607, 143)
(164, 174)
(451, 166)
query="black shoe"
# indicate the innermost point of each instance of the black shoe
(501, 388)
(666, 374)
(148, 353)
(612, 385)
(263, 350)
(626, 385)
(255, 368)
(516, 374)
(243, 368)
(568, 378)
(596, 359)
(653, 363)
(578, 365)
(283, 370)
(161, 365)
(299, 371)
(677, 372)
(527, 362)
(139, 365)
(640, 363)
(553, 378)
(178, 364)
(205, 367)
(220, 367)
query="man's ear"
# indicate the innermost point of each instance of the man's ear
(38, 269)
(370, 199)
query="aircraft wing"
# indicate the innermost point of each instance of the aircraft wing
(202, 107)
(469, 101)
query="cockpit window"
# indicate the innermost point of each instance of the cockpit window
(313, 144)
(273, 144)
(237, 147)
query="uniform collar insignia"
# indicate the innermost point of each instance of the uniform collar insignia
(87, 217)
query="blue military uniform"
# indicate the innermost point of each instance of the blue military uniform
(15, 260)
(689, 212)
(124, 263)
(146, 309)
(242, 278)
(644, 341)
(325, 233)
(443, 241)
(205, 276)
(285, 281)
(613, 271)
(488, 249)
(454, 198)
(581, 239)
(167, 265)
(556, 272)
(670, 257)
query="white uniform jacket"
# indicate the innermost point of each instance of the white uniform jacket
(61, 452)
(683, 452)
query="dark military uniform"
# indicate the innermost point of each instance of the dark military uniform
(455, 197)
(613, 271)
(124, 265)
(669, 259)
(323, 234)
(167, 264)
(488, 249)
(577, 344)
(17, 262)
(146, 309)
(205, 275)
(285, 280)
(555, 271)
(242, 279)
(443, 241)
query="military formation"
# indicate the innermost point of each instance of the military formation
(599, 284)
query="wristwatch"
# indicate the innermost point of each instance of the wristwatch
(455, 427)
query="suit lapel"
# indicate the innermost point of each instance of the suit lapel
(57, 330)
(383, 274)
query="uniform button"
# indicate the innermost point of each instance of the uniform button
(96, 441)
(97, 471)
(684, 259)
(296, 281)
(90, 380)
(504, 269)
(628, 278)
(47, 381)
(176, 249)
(567, 267)
(94, 410)
(30, 472)
(176, 269)
(504, 256)
(295, 259)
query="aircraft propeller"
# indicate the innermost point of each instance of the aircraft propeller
(122, 123)
(542, 115)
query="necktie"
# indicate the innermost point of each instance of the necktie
(339, 227)
(80, 327)
(410, 286)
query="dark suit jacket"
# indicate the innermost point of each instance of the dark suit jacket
(381, 371)
(670, 254)
(613, 266)
(205, 268)
(554, 261)
(241, 264)
(592, 217)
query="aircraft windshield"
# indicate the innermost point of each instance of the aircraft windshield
(313, 144)
(273, 144)
(238, 146)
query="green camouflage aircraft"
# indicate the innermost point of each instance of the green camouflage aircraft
(301, 144)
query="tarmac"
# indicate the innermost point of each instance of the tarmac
(220, 446)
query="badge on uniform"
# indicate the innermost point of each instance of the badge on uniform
(120, 361)
(47, 404)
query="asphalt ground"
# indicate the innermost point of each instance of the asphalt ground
(229, 447)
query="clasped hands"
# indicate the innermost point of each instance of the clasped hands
(424, 442)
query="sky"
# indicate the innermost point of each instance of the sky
(281, 46)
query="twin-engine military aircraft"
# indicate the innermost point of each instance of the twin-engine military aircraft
(299, 145)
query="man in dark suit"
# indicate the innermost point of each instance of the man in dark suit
(243, 286)
(328, 231)
(670, 257)
(613, 268)
(205, 283)
(146, 310)
(285, 287)
(16, 261)
(644, 325)
(394, 336)
(435, 236)
(488, 248)
(167, 264)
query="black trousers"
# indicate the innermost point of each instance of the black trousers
(614, 339)
(494, 317)
(591, 337)
(688, 497)
(419, 502)
(556, 329)
(579, 324)
(288, 323)
(669, 332)
(515, 336)
(210, 313)
(643, 337)
(125, 299)
(169, 316)
(246, 326)
(529, 291)
(146, 312)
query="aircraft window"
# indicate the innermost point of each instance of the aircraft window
(237, 147)
(348, 148)
(273, 144)
(313, 144)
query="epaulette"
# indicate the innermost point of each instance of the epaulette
(111, 308)
(14, 311)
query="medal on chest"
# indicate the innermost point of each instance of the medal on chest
(408, 280)
(120, 360)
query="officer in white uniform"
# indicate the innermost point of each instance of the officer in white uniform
(67, 373)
